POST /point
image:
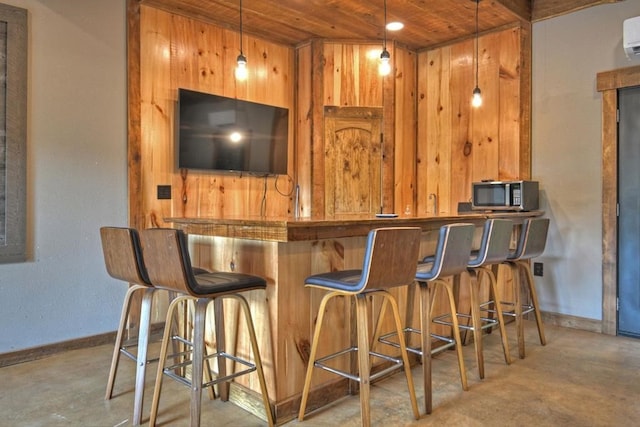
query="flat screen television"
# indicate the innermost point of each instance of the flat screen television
(227, 134)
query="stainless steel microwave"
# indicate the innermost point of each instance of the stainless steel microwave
(505, 195)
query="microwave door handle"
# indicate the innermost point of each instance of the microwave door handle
(507, 194)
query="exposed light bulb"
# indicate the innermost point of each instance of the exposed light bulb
(241, 69)
(235, 136)
(476, 101)
(384, 68)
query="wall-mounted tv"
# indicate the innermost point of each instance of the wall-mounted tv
(227, 134)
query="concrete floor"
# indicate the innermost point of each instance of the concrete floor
(578, 379)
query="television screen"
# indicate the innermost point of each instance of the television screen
(226, 134)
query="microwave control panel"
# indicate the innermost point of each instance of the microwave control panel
(516, 195)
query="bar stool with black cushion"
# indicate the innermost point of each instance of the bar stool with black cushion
(123, 260)
(494, 249)
(451, 257)
(531, 243)
(168, 265)
(389, 261)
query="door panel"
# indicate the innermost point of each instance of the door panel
(629, 216)
(353, 160)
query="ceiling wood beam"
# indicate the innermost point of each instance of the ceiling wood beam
(521, 9)
(545, 9)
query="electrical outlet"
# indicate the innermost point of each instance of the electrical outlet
(164, 192)
(537, 269)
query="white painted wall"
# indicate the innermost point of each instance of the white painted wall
(568, 52)
(77, 174)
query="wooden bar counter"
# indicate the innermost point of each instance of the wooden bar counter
(286, 251)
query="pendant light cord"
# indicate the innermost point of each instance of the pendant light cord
(477, 57)
(241, 27)
(385, 25)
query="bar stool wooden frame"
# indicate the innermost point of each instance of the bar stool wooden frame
(531, 244)
(123, 260)
(451, 257)
(169, 267)
(494, 250)
(389, 261)
(452, 254)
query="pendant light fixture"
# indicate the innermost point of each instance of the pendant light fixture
(384, 68)
(476, 100)
(241, 68)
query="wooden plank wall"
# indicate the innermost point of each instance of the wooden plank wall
(178, 52)
(435, 143)
(456, 143)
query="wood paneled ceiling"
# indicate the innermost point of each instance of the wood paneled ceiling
(428, 23)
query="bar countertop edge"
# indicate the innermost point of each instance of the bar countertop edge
(307, 229)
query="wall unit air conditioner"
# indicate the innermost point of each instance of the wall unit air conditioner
(631, 37)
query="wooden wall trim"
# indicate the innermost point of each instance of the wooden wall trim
(40, 352)
(574, 322)
(520, 8)
(609, 217)
(136, 214)
(317, 129)
(617, 79)
(389, 131)
(608, 83)
(545, 9)
(525, 101)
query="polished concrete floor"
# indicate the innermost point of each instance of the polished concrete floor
(578, 379)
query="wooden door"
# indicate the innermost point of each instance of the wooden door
(353, 160)
(628, 218)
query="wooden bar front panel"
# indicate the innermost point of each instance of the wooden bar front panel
(285, 315)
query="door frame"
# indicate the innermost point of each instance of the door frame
(608, 83)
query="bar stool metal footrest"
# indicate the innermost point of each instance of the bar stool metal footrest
(397, 364)
(450, 342)
(526, 309)
(487, 322)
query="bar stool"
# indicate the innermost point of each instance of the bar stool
(389, 260)
(123, 260)
(450, 259)
(494, 250)
(169, 267)
(531, 244)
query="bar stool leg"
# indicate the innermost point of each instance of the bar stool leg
(517, 309)
(403, 351)
(223, 388)
(495, 290)
(456, 331)
(476, 323)
(312, 354)
(166, 338)
(425, 336)
(256, 356)
(426, 305)
(464, 333)
(534, 300)
(143, 341)
(120, 338)
(364, 365)
(197, 367)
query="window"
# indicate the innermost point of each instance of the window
(13, 133)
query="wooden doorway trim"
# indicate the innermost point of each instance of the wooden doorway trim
(608, 83)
